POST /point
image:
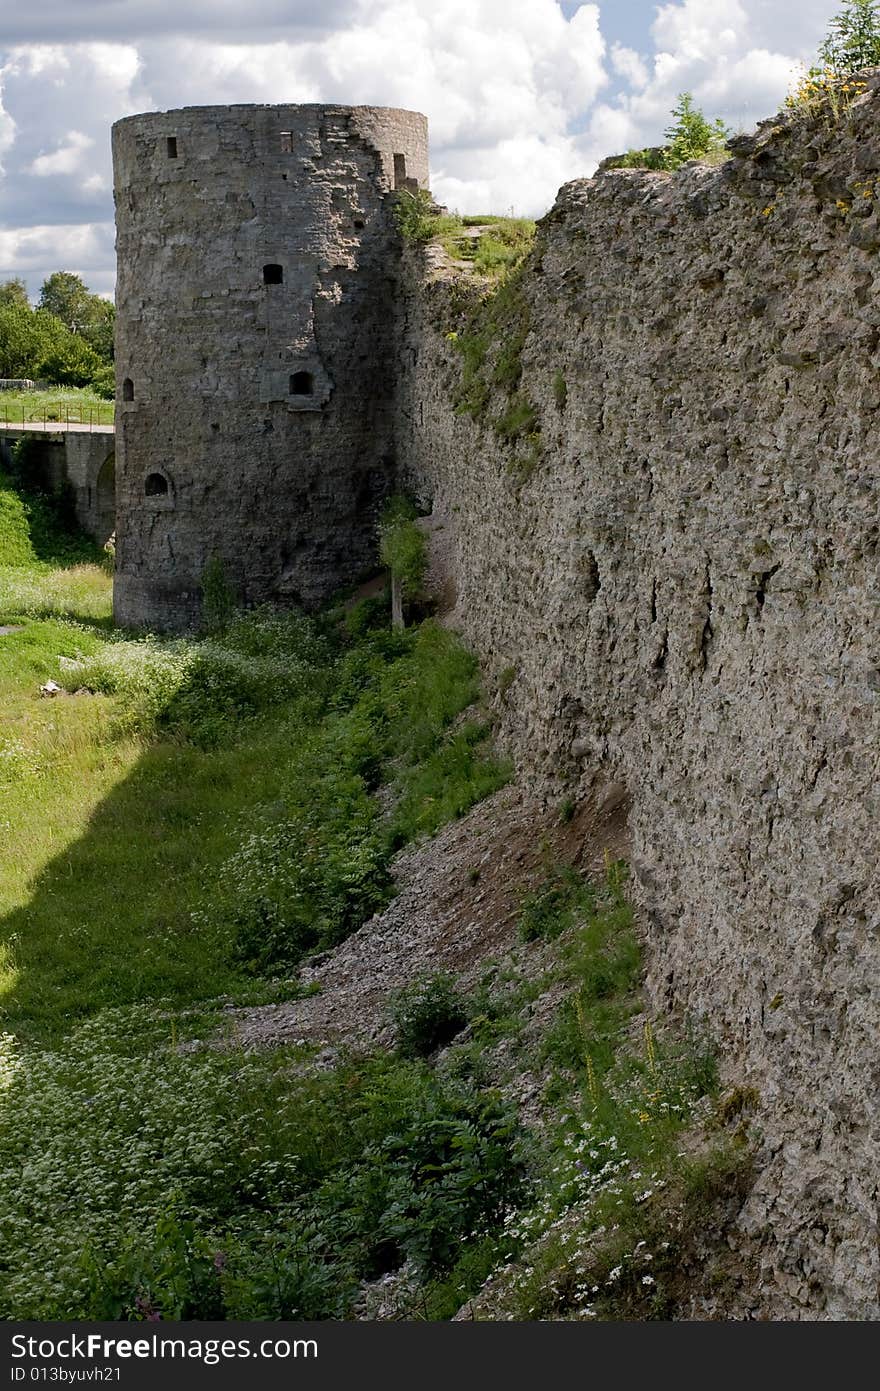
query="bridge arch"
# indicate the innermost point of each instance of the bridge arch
(105, 497)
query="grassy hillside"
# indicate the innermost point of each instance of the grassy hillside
(186, 823)
(183, 824)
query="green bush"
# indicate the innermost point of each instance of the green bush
(551, 910)
(446, 784)
(36, 527)
(690, 136)
(140, 1182)
(311, 867)
(651, 157)
(402, 546)
(413, 213)
(427, 1015)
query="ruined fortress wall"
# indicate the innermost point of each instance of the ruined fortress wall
(681, 577)
(256, 262)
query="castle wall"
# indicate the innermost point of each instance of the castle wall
(256, 266)
(683, 573)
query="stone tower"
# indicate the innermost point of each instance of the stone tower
(257, 263)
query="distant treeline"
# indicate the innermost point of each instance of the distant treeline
(67, 339)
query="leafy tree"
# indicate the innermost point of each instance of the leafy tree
(402, 547)
(67, 297)
(87, 315)
(853, 40)
(103, 382)
(14, 292)
(70, 361)
(99, 332)
(691, 135)
(26, 337)
(34, 343)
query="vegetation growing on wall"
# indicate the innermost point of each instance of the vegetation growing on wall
(493, 251)
(853, 39)
(490, 341)
(690, 136)
(827, 89)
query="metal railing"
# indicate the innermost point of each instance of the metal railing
(56, 415)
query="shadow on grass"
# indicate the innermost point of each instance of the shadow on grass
(109, 921)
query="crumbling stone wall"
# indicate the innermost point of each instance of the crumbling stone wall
(254, 353)
(679, 558)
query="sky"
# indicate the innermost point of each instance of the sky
(520, 95)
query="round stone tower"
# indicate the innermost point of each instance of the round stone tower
(257, 259)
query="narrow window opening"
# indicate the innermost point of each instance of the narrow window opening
(399, 171)
(171, 146)
(286, 137)
(128, 389)
(156, 485)
(302, 384)
(273, 275)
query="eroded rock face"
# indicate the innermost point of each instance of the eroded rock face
(680, 587)
(257, 261)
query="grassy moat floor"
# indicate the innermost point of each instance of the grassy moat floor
(189, 826)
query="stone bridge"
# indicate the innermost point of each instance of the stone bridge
(80, 458)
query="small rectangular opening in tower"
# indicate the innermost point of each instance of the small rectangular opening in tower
(302, 384)
(286, 137)
(399, 171)
(171, 146)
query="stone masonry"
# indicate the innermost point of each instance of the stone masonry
(677, 571)
(256, 267)
(672, 564)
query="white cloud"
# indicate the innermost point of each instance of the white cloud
(628, 65)
(708, 48)
(512, 177)
(521, 95)
(480, 69)
(69, 158)
(700, 29)
(34, 252)
(7, 130)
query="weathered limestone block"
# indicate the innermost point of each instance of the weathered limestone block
(685, 581)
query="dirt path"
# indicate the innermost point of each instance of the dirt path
(456, 909)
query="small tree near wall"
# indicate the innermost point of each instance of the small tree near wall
(403, 550)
